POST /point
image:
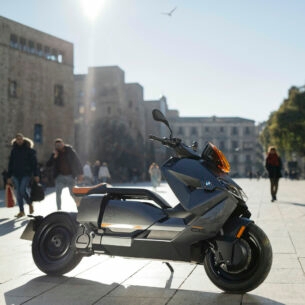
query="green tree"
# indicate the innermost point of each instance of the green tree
(285, 128)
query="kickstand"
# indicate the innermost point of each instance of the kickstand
(169, 281)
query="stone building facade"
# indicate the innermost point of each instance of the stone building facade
(103, 95)
(36, 88)
(235, 136)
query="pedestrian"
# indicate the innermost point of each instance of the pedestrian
(22, 167)
(95, 170)
(87, 174)
(66, 168)
(103, 173)
(274, 167)
(155, 174)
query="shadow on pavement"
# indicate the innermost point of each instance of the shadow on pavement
(63, 290)
(7, 227)
(293, 203)
(3, 219)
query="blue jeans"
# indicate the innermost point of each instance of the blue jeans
(61, 182)
(20, 185)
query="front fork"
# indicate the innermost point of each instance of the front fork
(229, 249)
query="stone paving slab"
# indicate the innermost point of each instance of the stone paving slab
(104, 280)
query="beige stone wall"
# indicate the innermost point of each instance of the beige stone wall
(103, 94)
(35, 77)
(135, 110)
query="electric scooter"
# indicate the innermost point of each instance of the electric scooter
(210, 225)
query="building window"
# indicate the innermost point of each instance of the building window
(234, 131)
(194, 131)
(248, 158)
(54, 55)
(235, 146)
(222, 145)
(108, 110)
(39, 49)
(59, 95)
(12, 88)
(59, 57)
(23, 45)
(180, 131)
(130, 104)
(248, 145)
(47, 52)
(32, 47)
(38, 133)
(247, 130)
(14, 41)
(222, 129)
(206, 129)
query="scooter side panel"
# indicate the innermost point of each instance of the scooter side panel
(89, 209)
(143, 248)
(186, 178)
(204, 227)
(121, 216)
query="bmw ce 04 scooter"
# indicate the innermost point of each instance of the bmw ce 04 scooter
(210, 225)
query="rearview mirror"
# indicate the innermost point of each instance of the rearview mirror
(159, 116)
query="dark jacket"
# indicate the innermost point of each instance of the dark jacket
(73, 162)
(22, 160)
(274, 171)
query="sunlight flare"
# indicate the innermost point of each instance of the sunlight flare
(92, 8)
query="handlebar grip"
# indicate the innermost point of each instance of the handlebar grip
(155, 138)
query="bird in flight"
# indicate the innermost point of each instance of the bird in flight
(171, 12)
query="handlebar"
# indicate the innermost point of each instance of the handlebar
(151, 137)
(172, 142)
(175, 143)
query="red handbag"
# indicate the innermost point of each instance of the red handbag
(10, 199)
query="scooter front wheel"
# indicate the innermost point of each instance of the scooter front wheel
(249, 277)
(52, 251)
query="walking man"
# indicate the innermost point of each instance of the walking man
(67, 167)
(21, 168)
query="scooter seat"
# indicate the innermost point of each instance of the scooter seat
(84, 190)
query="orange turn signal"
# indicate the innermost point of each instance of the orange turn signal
(240, 231)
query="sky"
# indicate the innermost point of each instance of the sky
(210, 57)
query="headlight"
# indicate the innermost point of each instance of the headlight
(234, 189)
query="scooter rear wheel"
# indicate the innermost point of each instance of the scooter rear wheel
(253, 274)
(51, 248)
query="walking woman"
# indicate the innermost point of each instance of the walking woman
(274, 167)
(155, 175)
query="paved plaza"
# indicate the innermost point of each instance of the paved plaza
(104, 280)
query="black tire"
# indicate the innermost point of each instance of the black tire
(52, 251)
(252, 275)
